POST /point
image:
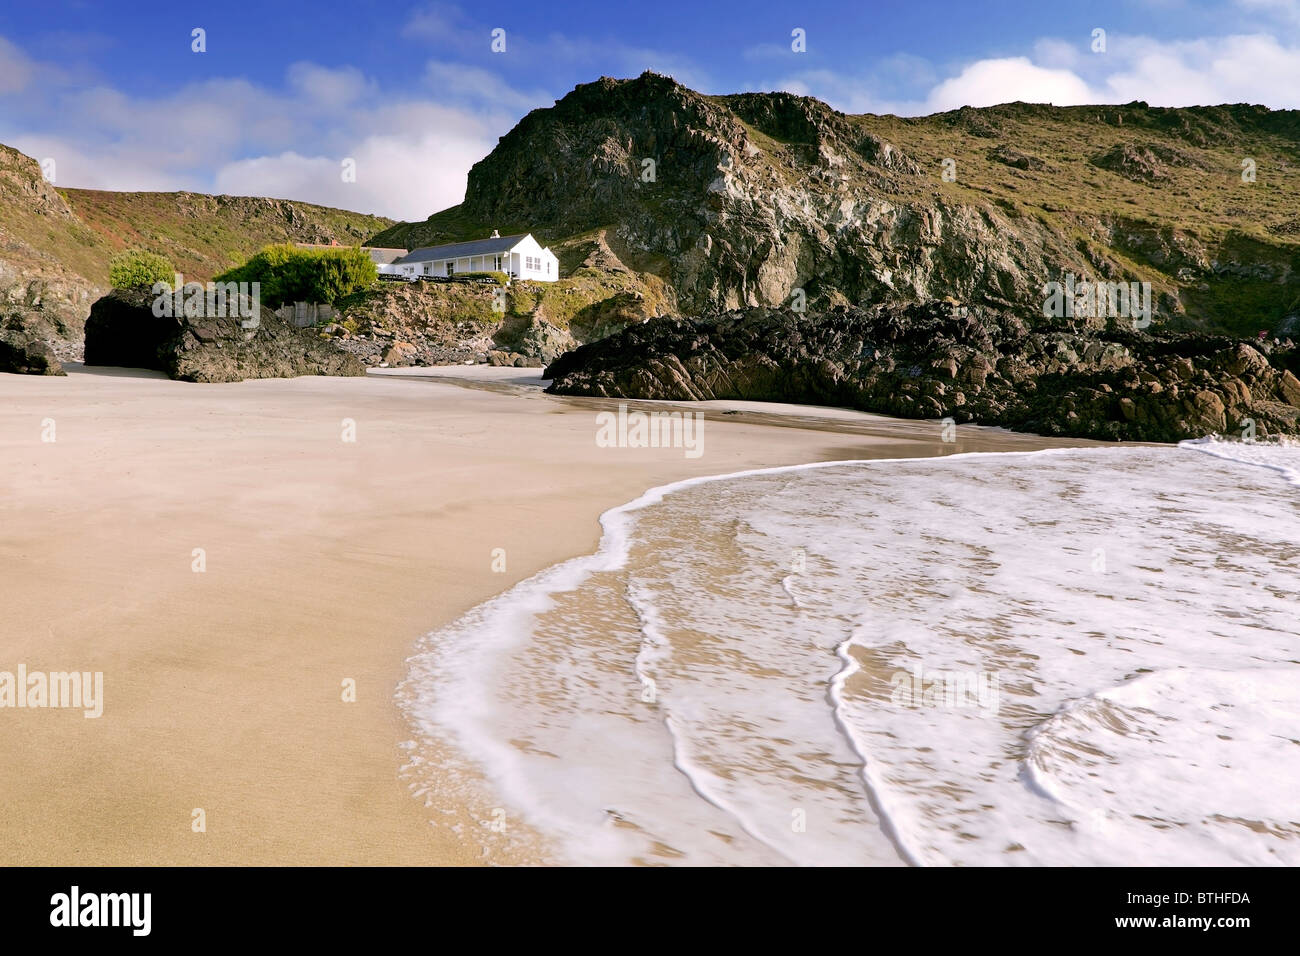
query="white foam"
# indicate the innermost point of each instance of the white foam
(1087, 581)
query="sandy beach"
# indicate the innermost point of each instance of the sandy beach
(322, 562)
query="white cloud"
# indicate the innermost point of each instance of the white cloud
(331, 88)
(882, 90)
(15, 68)
(412, 151)
(453, 82)
(989, 82)
(405, 173)
(1255, 68)
(91, 167)
(1235, 69)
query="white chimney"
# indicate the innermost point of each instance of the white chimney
(495, 235)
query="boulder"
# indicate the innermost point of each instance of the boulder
(23, 347)
(123, 330)
(534, 338)
(1290, 388)
(26, 355)
(399, 353)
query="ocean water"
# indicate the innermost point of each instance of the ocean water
(1071, 657)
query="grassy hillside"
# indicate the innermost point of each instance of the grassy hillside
(55, 244)
(204, 235)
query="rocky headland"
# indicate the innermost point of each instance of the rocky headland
(968, 363)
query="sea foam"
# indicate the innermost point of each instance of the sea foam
(718, 683)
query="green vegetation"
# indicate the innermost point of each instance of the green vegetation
(204, 235)
(500, 277)
(292, 274)
(138, 269)
(589, 303)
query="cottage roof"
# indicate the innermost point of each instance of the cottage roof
(458, 250)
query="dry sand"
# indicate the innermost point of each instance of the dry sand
(325, 562)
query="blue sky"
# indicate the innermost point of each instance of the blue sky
(414, 94)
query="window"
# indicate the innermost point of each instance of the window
(548, 266)
(451, 267)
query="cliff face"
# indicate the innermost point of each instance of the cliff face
(754, 197)
(39, 273)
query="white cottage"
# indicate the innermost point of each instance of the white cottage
(520, 257)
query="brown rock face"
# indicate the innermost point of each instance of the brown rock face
(399, 353)
(122, 330)
(1290, 388)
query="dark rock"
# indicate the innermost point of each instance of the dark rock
(933, 360)
(122, 330)
(1013, 157)
(23, 348)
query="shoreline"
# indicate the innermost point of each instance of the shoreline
(325, 562)
(520, 601)
(506, 737)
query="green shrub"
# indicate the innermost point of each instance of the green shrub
(287, 273)
(500, 277)
(138, 269)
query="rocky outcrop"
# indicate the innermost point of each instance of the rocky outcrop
(39, 234)
(533, 339)
(970, 363)
(1015, 158)
(1147, 162)
(123, 330)
(23, 347)
(770, 199)
(436, 323)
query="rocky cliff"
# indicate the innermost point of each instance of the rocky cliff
(757, 199)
